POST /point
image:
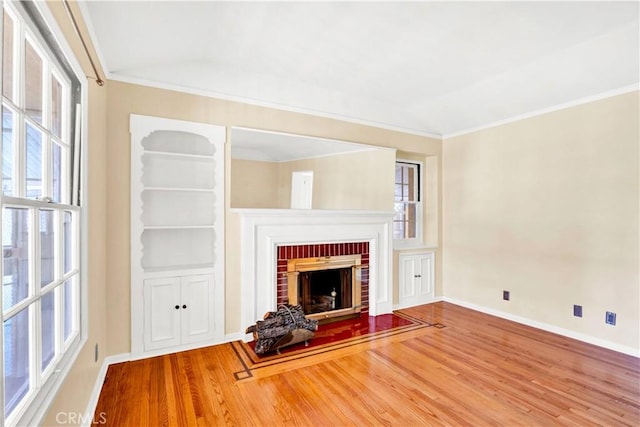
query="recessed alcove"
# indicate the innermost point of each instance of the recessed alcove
(346, 175)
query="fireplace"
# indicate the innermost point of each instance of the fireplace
(270, 237)
(327, 287)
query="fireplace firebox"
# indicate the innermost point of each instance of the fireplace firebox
(326, 287)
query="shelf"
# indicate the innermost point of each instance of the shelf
(178, 227)
(163, 247)
(177, 142)
(177, 208)
(192, 190)
(178, 172)
(171, 154)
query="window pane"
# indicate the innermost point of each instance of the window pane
(33, 82)
(8, 152)
(68, 242)
(48, 322)
(398, 229)
(69, 311)
(56, 107)
(7, 57)
(16, 359)
(411, 184)
(47, 244)
(34, 162)
(411, 222)
(398, 192)
(398, 174)
(15, 245)
(399, 209)
(56, 172)
(399, 225)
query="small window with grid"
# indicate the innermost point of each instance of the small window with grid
(407, 202)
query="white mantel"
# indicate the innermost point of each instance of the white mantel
(263, 230)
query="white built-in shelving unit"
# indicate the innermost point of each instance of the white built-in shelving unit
(177, 234)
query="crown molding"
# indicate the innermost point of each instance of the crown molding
(266, 104)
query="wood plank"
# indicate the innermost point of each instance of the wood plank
(478, 370)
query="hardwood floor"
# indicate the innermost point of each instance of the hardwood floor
(477, 370)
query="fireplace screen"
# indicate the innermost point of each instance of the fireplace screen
(325, 287)
(325, 290)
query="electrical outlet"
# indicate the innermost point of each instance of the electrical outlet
(505, 295)
(577, 310)
(610, 318)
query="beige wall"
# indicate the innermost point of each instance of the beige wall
(77, 388)
(547, 208)
(361, 180)
(254, 184)
(125, 99)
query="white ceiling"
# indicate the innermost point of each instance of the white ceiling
(432, 68)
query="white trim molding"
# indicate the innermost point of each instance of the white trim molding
(262, 230)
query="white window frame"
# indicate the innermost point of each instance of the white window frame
(408, 243)
(33, 407)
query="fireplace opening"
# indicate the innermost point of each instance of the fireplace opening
(325, 290)
(326, 287)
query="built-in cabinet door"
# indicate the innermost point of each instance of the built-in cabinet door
(416, 279)
(178, 310)
(197, 308)
(162, 313)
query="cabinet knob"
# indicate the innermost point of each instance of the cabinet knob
(417, 275)
(184, 306)
(177, 307)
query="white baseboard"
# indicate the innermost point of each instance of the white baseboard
(547, 327)
(97, 387)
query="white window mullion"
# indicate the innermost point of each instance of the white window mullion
(19, 120)
(59, 335)
(57, 245)
(46, 122)
(34, 252)
(34, 292)
(17, 152)
(58, 219)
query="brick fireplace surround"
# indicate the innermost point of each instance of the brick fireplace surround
(286, 253)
